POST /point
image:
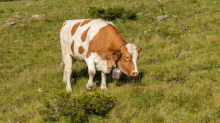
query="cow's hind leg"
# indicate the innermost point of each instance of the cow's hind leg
(103, 83)
(91, 71)
(67, 59)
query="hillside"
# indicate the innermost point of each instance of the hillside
(179, 64)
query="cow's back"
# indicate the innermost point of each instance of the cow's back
(76, 35)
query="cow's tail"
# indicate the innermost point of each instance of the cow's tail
(61, 66)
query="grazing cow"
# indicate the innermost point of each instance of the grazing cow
(99, 44)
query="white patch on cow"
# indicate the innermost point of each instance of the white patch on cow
(132, 49)
(95, 25)
(101, 65)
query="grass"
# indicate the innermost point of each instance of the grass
(172, 88)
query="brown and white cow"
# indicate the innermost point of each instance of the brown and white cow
(99, 44)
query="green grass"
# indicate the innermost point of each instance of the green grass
(172, 88)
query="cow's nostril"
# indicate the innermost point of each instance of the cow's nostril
(135, 74)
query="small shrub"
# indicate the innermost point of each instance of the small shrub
(11, 10)
(2, 11)
(112, 13)
(77, 108)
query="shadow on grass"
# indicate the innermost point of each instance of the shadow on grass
(124, 79)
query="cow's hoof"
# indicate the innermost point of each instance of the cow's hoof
(88, 89)
(104, 89)
(69, 90)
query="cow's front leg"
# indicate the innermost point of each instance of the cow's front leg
(91, 71)
(103, 83)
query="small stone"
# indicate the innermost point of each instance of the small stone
(185, 27)
(35, 16)
(17, 17)
(184, 52)
(39, 90)
(130, 39)
(10, 23)
(161, 17)
(27, 13)
(44, 7)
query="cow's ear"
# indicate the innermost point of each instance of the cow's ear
(139, 49)
(123, 49)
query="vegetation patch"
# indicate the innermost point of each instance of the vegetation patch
(112, 13)
(78, 108)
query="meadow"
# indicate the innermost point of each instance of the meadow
(179, 67)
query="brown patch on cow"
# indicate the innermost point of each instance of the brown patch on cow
(72, 47)
(85, 22)
(84, 35)
(81, 50)
(62, 26)
(73, 30)
(106, 44)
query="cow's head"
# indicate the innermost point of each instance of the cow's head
(127, 62)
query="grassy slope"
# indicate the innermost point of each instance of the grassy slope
(173, 88)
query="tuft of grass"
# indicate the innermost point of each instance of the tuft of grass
(112, 13)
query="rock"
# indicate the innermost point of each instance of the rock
(27, 13)
(35, 16)
(10, 23)
(44, 7)
(17, 17)
(184, 52)
(39, 90)
(185, 27)
(161, 17)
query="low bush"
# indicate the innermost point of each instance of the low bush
(112, 13)
(77, 108)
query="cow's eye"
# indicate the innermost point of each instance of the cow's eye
(127, 58)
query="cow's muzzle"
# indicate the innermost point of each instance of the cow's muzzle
(134, 74)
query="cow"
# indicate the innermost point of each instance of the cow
(99, 44)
